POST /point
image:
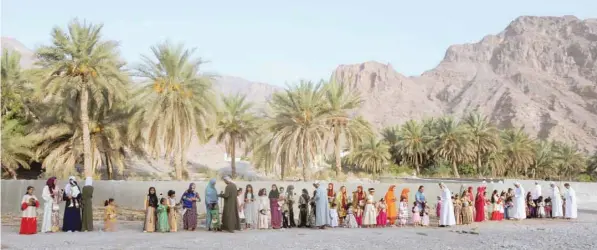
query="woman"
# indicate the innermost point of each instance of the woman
(331, 193)
(87, 205)
(391, 205)
(189, 206)
(467, 209)
(290, 204)
(276, 214)
(404, 194)
(251, 207)
(304, 208)
(341, 201)
(358, 198)
(211, 199)
(72, 214)
(264, 207)
(471, 197)
(29, 205)
(151, 204)
(370, 216)
(480, 205)
(420, 199)
(52, 197)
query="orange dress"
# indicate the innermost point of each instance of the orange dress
(391, 205)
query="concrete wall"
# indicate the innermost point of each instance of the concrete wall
(131, 194)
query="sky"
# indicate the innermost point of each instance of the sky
(280, 42)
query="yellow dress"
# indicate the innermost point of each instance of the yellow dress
(110, 218)
(172, 215)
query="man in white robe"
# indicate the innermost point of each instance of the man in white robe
(322, 211)
(571, 211)
(556, 201)
(446, 214)
(519, 203)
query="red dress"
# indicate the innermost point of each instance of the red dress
(29, 215)
(480, 205)
(498, 213)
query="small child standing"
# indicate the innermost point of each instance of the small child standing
(351, 221)
(333, 216)
(359, 216)
(438, 206)
(109, 215)
(163, 225)
(416, 220)
(425, 220)
(541, 207)
(382, 213)
(240, 201)
(402, 212)
(548, 207)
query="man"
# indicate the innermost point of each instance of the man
(322, 211)
(519, 203)
(571, 208)
(230, 219)
(535, 195)
(446, 214)
(556, 201)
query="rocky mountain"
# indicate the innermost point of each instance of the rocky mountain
(540, 73)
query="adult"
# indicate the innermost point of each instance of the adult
(189, 205)
(29, 205)
(72, 212)
(480, 204)
(358, 198)
(290, 204)
(556, 201)
(391, 205)
(322, 213)
(519, 212)
(304, 208)
(420, 198)
(341, 201)
(52, 197)
(230, 217)
(87, 205)
(250, 207)
(331, 193)
(535, 194)
(211, 199)
(151, 205)
(446, 215)
(275, 209)
(571, 211)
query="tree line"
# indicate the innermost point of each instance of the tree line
(81, 103)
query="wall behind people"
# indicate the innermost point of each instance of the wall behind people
(131, 194)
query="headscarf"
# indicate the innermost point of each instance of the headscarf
(274, 193)
(211, 194)
(305, 195)
(227, 178)
(330, 189)
(51, 183)
(289, 190)
(251, 193)
(404, 194)
(471, 196)
(88, 181)
(152, 198)
(190, 189)
(390, 195)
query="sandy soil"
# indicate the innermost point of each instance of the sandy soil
(528, 234)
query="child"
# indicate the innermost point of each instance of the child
(438, 206)
(382, 213)
(351, 221)
(29, 205)
(541, 208)
(402, 212)
(333, 216)
(508, 207)
(416, 220)
(75, 191)
(531, 206)
(264, 210)
(240, 201)
(425, 221)
(548, 207)
(163, 225)
(110, 216)
(172, 211)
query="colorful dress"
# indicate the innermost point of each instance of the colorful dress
(425, 220)
(382, 216)
(351, 221)
(391, 205)
(163, 226)
(370, 216)
(467, 211)
(51, 220)
(498, 209)
(29, 205)
(480, 205)
(110, 218)
(359, 216)
(173, 214)
(458, 211)
(342, 203)
(189, 218)
(416, 219)
(151, 203)
(402, 213)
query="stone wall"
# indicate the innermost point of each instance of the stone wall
(131, 194)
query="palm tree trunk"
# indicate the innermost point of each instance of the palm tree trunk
(417, 157)
(479, 164)
(233, 157)
(305, 162)
(282, 166)
(455, 169)
(337, 154)
(85, 128)
(178, 164)
(108, 166)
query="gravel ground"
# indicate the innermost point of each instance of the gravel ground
(528, 234)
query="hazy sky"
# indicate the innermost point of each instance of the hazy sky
(283, 41)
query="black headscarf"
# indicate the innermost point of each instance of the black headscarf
(274, 193)
(305, 195)
(152, 198)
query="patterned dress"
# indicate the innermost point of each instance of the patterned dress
(163, 226)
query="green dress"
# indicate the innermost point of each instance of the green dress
(87, 205)
(163, 225)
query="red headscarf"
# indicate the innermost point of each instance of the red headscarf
(470, 193)
(331, 190)
(404, 194)
(51, 183)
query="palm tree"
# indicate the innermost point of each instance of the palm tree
(342, 126)
(15, 91)
(518, 150)
(175, 105)
(570, 160)
(371, 155)
(391, 138)
(453, 142)
(80, 65)
(485, 137)
(592, 166)
(414, 143)
(235, 125)
(17, 149)
(300, 123)
(543, 164)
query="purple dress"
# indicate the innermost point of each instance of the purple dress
(276, 213)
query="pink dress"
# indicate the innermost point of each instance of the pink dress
(438, 208)
(359, 217)
(382, 216)
(416, 215)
